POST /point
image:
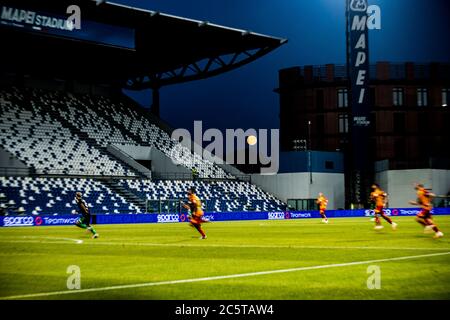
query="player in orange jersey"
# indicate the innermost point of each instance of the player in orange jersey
(195, 207)
(424, 200)
(322, 201)
(379, 197)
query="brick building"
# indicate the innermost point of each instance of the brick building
(410, 112)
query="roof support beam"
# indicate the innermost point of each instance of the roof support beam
(215, 65)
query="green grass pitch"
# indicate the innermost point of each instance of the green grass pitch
(321, 261)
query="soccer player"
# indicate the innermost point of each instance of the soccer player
(195, 207)
(322, 202)
(85, 219)
(379, 197)
(424, 198)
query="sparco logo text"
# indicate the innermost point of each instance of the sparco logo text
(17, 221)
(166, 218)
(276, 216)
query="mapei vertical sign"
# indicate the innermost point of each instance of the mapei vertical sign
(358, 69)
(359, 62)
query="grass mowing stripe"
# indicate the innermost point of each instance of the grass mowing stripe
(232, 276)
(179, 245)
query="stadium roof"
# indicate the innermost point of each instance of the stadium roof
(166, 49)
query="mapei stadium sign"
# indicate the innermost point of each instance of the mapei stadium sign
(19, 17)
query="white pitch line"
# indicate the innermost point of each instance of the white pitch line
(77, 241)
(231, 276)
(191, 245)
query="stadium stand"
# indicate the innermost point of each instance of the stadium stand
(217, 196)
(43, 143)
(56, 195)
(63, 137)
(85, 124)
(133, 120)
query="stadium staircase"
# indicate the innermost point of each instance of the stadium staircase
(91, 142)
(129, 196)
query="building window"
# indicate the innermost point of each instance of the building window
(445, 93)
(423, 123)
(343, 123)
(372, 97)
(373, 123)
(400, 149)
(447, 120)
(319, 100)
(299, 145)
(397, 97)
(342, 98)
(320, 124)
(329, 165)
(292, 204)
(373, 150)
(423, 148)
(422, 97)
(399, 123)
(302, 204)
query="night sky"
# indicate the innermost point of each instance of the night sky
(412, 30)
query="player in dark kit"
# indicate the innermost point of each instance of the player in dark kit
(84, 221)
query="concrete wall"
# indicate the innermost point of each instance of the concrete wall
(399, 184)
(10, 165)
(119, 153)
(162, 164)
(297, 186)
(297, 161)
(136, 152)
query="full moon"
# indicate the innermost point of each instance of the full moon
(251, 140)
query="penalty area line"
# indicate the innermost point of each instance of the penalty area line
(231, 276)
